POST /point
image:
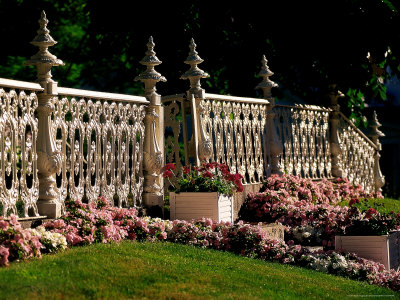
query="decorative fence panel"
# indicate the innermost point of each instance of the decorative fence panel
(235, 126)
(176, 130)
(18, 133)
(101, 138)
(358, 154)
(303, 131)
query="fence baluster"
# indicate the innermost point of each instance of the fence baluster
(272, 146)
(200, 139)
(153, 157)
(48, 157)
(334, 140)
(375, 134)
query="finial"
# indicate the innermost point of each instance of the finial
(194, 74)
(374, 132)
(150, 77)
(266, 84)
(334, 94)
(43, 40)
(43, 59)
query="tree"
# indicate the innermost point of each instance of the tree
(308, 44)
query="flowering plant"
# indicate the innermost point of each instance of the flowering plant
(372, 221)
(16, 243)
(209, 177)
(310, 213)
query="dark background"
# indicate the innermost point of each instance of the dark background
(308, 44)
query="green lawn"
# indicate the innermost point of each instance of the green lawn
(169, 271)
(382, 205)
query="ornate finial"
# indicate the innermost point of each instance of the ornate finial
(43, 40)
(266, 84)
(374, 132)
(150, 77)
(43, 59)
(194, 74)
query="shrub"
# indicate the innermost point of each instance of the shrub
(16, 243)
(308, 210)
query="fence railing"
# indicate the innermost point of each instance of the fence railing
(256, 137)
(58, 142)
(61, 142)
(18, 157)
(358, 154)
(303, 131)
(100, 137)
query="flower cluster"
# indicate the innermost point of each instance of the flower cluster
(98, 222)
(209, 177)
(16, 243)
(309, 212)
(51, 241)
(307, 223)
(323, 191)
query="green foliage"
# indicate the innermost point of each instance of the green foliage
(102, 45)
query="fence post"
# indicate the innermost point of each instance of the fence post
(48, 156)
(153, 153)
(272, 144)
(334, 140)
(375, 134)
(200, 141)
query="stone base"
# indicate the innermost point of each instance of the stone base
(150, 200)
(51, 210)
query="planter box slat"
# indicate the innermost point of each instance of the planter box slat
(384, 249)
(188, 206)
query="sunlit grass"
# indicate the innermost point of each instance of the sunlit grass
(385, 205)
(168, 271)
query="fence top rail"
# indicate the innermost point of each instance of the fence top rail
(62, 91)
(176, 97)
(23, 85)
(355, 128)
(305, 107)
(236, 99)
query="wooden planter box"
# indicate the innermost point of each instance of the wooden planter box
(384, 249)
(188, 206)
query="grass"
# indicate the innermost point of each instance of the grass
(169, 271)
(382, 205)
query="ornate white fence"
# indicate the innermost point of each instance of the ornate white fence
(304, 133)
(58, 142)
(18, 133)
(358, 155)
(100, 138)
(256, 137)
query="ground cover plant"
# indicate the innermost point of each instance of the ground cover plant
(98, 222)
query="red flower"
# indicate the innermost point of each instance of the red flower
(169, 167)
(207, 174)
(186, 169)
(239, 186)
(353, 201)
(168, 174)
(370, 213)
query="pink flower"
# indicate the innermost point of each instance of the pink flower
(3, 225)
(4, 253)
